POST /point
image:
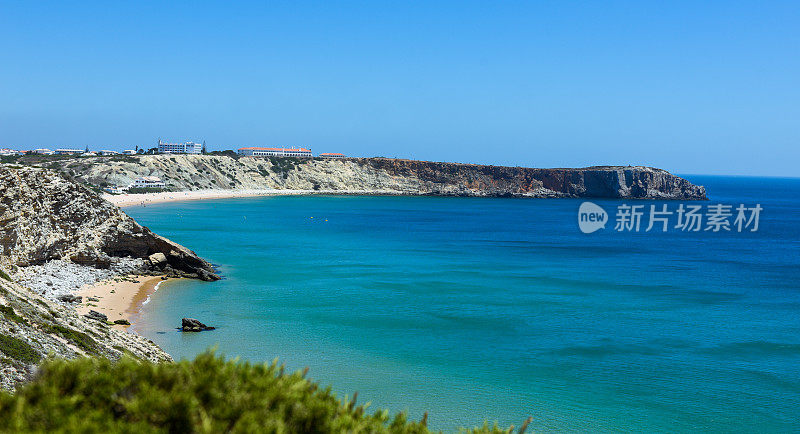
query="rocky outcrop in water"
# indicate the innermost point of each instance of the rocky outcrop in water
(45, 217)
(382, 175)
(193, 325)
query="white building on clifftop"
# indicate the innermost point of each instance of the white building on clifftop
(274, 152)
(179, 148)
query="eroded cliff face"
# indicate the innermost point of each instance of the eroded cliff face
(390, 176)
(631, 182)
(44, 216)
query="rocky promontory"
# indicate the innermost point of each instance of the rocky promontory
(380, 175)
(45, 217)
(57, 235)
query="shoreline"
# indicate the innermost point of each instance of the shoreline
(118, 299)
(143, 199)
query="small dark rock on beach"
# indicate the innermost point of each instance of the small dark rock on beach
(97, 316)
(69, 298)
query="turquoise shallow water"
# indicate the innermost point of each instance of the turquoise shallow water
(475, 309)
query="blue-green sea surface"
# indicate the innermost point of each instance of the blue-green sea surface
(476, 309)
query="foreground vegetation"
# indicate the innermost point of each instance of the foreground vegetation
(208, 394)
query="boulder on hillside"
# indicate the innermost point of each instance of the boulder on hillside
(69, 298)
(97, 316)
(157, 259)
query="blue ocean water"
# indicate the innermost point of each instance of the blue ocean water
(475, 309)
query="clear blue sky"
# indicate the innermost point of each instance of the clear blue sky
(693, 87)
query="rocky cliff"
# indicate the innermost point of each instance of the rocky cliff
(32, 328)
(45, 217)
(195, 172)
(53, 228)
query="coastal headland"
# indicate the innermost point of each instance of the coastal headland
(58, 236)
(73, 262)
(288, 175)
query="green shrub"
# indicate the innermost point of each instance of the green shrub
(9, 158)
(81, 340)
(137, 190)
(226, 153)
(282, 165)
(123, 158)
(208, 394)
(4, 275)
(18, 350)
(9, 313)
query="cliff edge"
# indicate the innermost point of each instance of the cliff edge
(384, 175)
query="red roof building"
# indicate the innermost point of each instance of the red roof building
(274, 152)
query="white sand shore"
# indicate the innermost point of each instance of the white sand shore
(123, 200)
(148, 198)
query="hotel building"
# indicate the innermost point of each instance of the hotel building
(179, 148)
(274, 152)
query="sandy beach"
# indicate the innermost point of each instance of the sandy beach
(118, 299)
(150, 198)
(123, 200)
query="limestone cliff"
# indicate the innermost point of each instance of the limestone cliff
(44, 216)
(194, 172)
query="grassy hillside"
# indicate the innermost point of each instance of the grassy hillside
(208, 394)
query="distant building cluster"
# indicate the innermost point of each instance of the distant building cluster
(64, 151)
(188, 147)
